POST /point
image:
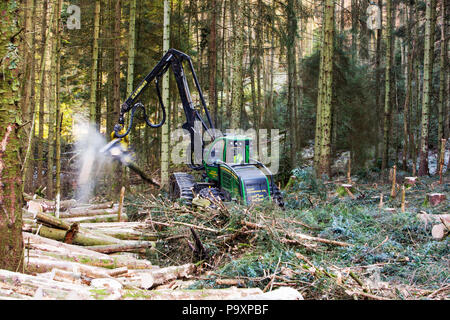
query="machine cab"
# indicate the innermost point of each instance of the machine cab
(233, 150)
(229, 149)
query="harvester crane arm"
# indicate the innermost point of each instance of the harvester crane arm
(173, 59)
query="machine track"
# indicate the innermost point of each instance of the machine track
(276, 195)
(181, 185)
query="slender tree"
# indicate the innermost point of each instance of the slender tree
(387, 91)
(165, 97)
(40, 87)
(212, 54)
(442, 79)
(324, 106)
(53, 102)
(427, 85)
(58, 113)
(238, 54)
(291, 20)
(378, 99)
(406, 108)
(94, 69)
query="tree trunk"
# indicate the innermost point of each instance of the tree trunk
(406, 109)
(213, 59)
(427, 85)
(324, 104)
(52, 104)
(58, 117)
(292, 77)
(40, 87)
(165, 97)
(378, 105)
(387, 94)
(442, 80)
(238, 53)
(11, 243)
(94, 69)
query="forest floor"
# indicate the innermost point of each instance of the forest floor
(326, 243)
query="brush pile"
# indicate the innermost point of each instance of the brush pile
(326, 244)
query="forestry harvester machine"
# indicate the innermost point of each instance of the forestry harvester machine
(228, 171)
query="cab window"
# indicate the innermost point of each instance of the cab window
(215, 153)
(235, 152)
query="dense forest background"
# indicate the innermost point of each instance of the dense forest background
(379, 93)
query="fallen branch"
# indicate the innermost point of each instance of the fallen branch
(127, 247)
(299, 235)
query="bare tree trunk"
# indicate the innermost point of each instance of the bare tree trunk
(326, 92)
(427, 85)
(292, 76)
(442, 79)
(213, 59)
(238, 53)
(40, 87)
(378, 86)
(165, 97)
(387, 94)
(94, 69)
(52, 104)
(57, 106)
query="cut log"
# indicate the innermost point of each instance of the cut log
(60, 249)
(65, 276)
(284, 293)
(85, 212)
(122, 247)
(229, 282)
(82, 238)
(104, 205)
(113, 225)
(39, 265)
(439, 231)
(128, 234)
(118, 271)
(52, 221)
(50, 204)
(157, 276)
(42, 288)
(100, 218)
(435, 198)
(410, 181)
(204, 294)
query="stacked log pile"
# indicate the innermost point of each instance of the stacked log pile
(73, 257)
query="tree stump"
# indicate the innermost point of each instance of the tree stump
(435, 199)
(410, 181)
